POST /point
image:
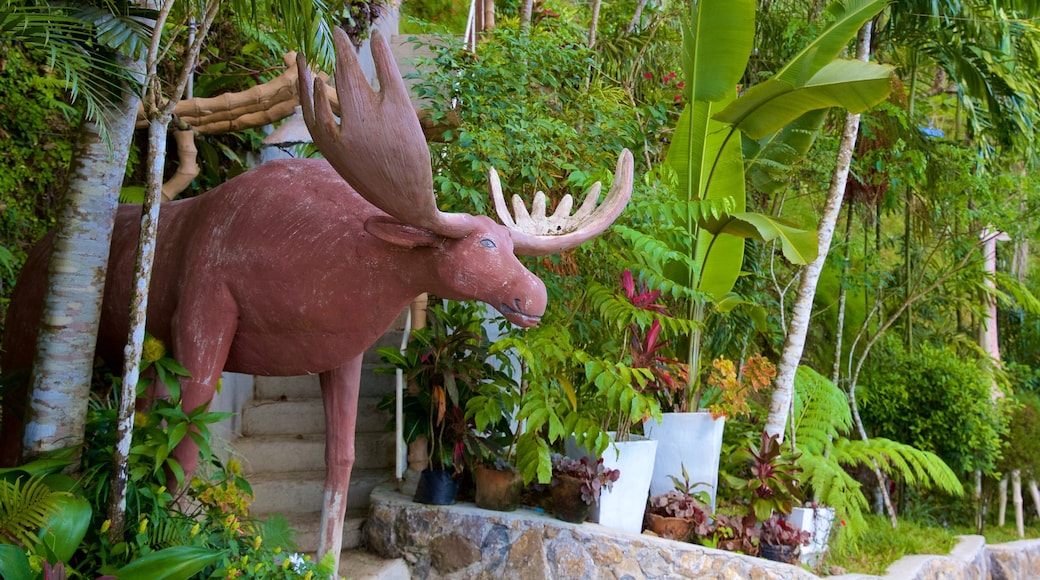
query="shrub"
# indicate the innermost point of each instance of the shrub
(937, 400)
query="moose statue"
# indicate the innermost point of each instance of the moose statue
(299, 265)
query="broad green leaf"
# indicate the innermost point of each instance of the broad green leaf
(174, 563)
(64, 528)
(719, 37)
(14, 564)
(848, 17)
(766, 108)
(800, 246)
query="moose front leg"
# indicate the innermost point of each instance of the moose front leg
(339, 391)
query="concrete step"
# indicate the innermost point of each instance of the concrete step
(307, 528)
(301, 492)
(305, 417)
(309, 387)
(362, 565)
(275, 453)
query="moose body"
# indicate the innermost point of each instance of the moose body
(299, 266)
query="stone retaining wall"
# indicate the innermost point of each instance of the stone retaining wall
(463, 542)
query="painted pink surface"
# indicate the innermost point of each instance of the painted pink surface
(288, 270)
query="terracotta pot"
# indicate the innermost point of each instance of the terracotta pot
(436, 487)
(671, 528)
(497, 490)
(567, 502)
(785, 554)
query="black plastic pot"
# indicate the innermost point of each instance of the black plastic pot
(785, 554)
(436, 487)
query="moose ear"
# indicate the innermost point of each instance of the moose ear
(401, 234)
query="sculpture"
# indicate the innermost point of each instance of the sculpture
(288, 270)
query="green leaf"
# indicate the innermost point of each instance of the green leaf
(65, 527)
(174, 563)
(766, 108)
(847, 17)
(14, 564)
(800, 246)
(719, 37)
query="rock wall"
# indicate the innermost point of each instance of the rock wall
(463, 542)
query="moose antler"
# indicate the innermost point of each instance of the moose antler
(379, 146)
(535, 234)
(380, 149)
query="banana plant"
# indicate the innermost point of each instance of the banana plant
(778, 118)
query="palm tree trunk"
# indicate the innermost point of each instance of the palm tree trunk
(60, 384)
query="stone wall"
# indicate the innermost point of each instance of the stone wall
(464, 542)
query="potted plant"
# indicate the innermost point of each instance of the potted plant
(577, 485)
(680, 513)
(733, 530)
(691, 435)
(766, 479)
(780, 539)
(620, 390)
(445, 364)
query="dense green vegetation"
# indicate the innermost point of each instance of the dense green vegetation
(945, 158)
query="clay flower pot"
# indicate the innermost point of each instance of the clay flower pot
(568, 504)
(670, 528)
(497, 489)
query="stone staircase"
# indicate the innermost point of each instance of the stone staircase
(282, 447)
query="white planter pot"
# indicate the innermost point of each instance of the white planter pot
(818, 523)
(690, 440)
(622, 507)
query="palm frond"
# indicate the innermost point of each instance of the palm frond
(25, 505)
(916, 467)
(821, 411)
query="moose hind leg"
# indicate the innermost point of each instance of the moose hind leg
(339, 391)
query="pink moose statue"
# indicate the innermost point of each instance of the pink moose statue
(298, 266)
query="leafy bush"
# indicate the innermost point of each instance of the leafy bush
(937, 400)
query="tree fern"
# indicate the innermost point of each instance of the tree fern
(25, 505)
(821, 418)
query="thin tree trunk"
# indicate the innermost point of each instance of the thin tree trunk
(1016, 497)
(595, 22)
(526, 8)
(60, 383)
(636, 17)
(1002, 501)
(842, 298)
(794, 344)
(158, 129)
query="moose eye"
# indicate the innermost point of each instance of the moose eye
(488, 243)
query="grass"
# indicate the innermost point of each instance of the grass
(881, 545)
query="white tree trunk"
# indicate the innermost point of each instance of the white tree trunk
(60, 383)
(794, 344)
(1016, 497)
(1002, 501)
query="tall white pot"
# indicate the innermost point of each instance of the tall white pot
(622, 507)
(690, 440)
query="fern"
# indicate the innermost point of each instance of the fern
(25, 504)
(821, 418)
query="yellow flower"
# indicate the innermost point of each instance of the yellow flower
(309, 575)
(195, 530)
(153, 349)
(285, 564)
(143, 526)
(105, 526)
(256, 543)
(234, 467)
